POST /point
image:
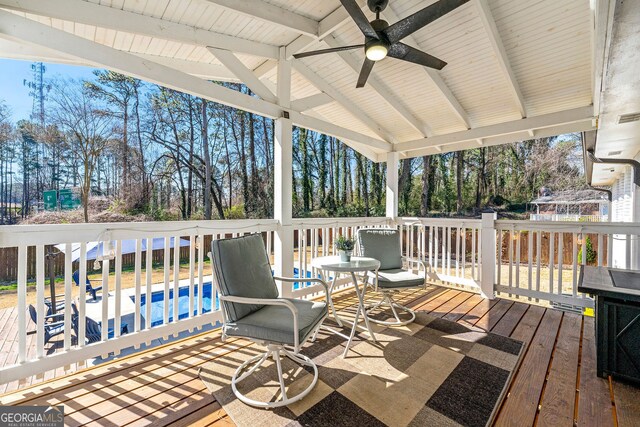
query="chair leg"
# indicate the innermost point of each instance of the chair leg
(274, 351)
(387, 300)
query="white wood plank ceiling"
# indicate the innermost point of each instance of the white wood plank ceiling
(515, 68)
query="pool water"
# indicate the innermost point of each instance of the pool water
(157, 300)
(157, 303)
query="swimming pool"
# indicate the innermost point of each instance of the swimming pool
(157, 300)
(157, 303)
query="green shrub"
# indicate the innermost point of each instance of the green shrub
(591, 254)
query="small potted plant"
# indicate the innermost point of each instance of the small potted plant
(344, 246)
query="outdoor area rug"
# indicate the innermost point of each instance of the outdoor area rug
(432, 372)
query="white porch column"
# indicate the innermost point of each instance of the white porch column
(283, 178)
(393, 159)
(489, 251)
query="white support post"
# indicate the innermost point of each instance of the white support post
(283, 179)
(488, 249)
(393, 158)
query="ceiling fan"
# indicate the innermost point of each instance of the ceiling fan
(382, 40)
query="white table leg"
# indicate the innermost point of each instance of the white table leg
(353, 330)
(333, 309)
(361, 306)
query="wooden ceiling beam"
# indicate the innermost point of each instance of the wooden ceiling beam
(245, 75)
(351, 106)
(272, 14)
(115, 19)
(501, 54)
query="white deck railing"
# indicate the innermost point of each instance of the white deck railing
(536, 260)
(532, 260)
(569, 217)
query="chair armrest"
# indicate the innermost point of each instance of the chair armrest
(310, 279)
(53, 316)
(425, 264)
(270, 301)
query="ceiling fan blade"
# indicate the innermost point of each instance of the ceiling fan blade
(410, 54)
(322, 51)
(413, 23)
(360, 19)
(367, 66)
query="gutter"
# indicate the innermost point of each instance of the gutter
(634, 164)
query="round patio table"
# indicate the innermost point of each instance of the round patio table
(356, 265)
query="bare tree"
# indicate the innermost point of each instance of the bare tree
(89, 127)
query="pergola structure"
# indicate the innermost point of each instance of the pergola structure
(516, 70)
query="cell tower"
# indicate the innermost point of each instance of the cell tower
(38, 91)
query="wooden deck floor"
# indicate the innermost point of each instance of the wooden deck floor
(555, 385)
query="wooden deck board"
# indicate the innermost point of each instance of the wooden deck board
(558, 402)
(160, 386)
(510, 320)
(627, 400)
(594, 400)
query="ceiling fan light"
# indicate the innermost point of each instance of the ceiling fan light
(376, 52)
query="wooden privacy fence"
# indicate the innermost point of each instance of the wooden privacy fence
(9, 261)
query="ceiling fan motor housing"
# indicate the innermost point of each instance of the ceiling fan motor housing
(377, 6)
(378, 25)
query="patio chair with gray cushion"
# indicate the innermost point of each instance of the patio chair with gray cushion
(252, 309)
(383, 244)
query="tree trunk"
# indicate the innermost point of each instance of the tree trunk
(190, 171)
(322, 172)
(304, 165)
(207, 161)
(426, 186)
(404, 184)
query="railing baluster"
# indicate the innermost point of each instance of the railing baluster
(176, 280)
(518, 255)
(499, 274)
(538, 260)
(22, 303)
(448, 231)
(473, 254)
(82, 298)
(167, 274)
(41, 312)
(458, 252)
(464, 252)
(574, 264)
(435, 250)
(149, 281)
(138, 284)
(68, 271)
(479, 255)
(201, 251)
(105, 298)
(530, 258)
(560, 260)
(192, 266)
(118, 290)
(600, 250)
(552, 241)
(511, 239)
(431, 246)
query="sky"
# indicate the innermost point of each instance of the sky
(13, 73)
